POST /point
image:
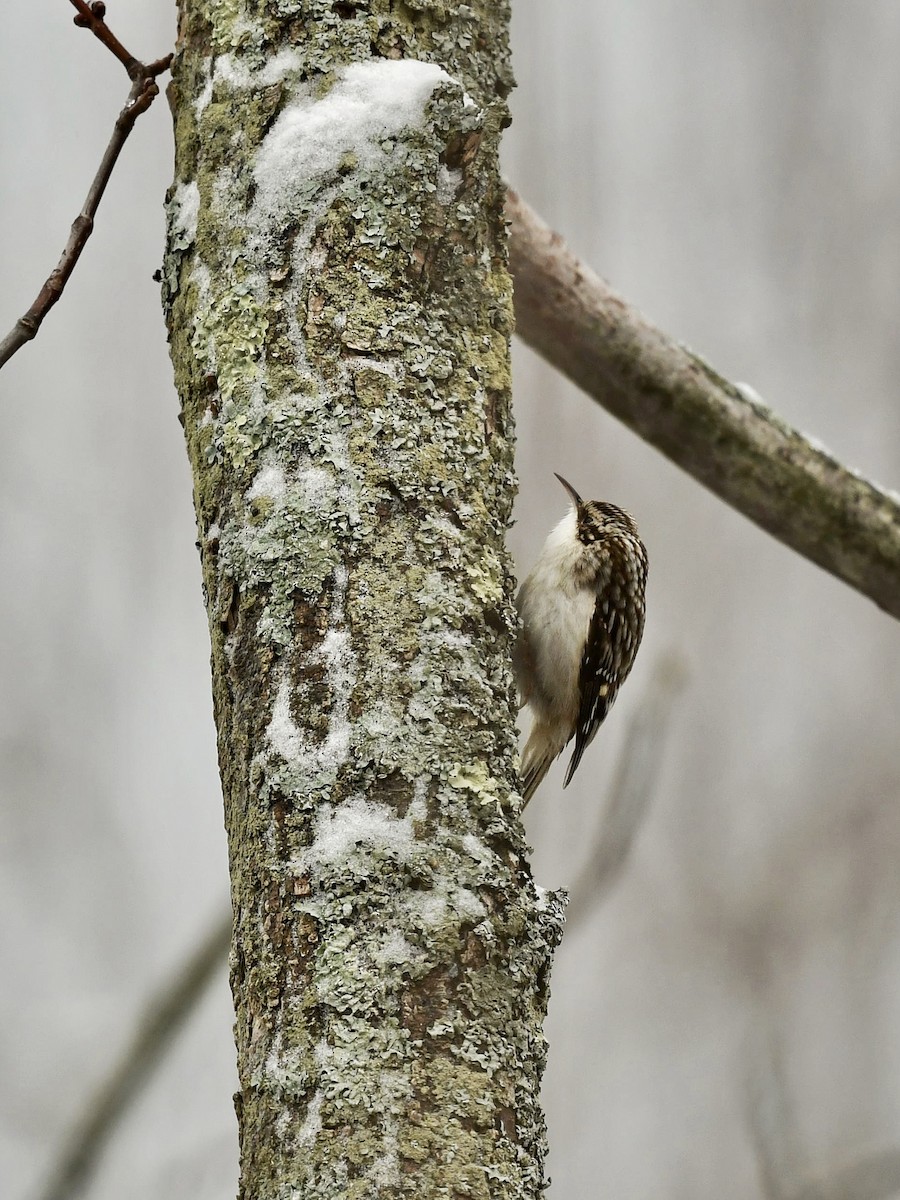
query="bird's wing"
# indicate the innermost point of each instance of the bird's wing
(598, 679)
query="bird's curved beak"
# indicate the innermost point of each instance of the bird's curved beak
(576, 499)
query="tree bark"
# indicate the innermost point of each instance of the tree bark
(339, 312)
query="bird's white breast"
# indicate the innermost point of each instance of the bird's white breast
(556, 610)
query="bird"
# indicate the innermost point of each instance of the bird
(581, 618)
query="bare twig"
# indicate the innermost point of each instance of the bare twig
(93, 17)
(721, 434)
(141, 95)
(629, 796)
(156, 1031)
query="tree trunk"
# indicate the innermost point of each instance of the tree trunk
(339, 312)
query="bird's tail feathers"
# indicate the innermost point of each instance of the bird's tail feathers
(581, 745)
(543, 745)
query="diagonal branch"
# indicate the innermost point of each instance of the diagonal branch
(142, 93)
(164, 1016)
(719, 433)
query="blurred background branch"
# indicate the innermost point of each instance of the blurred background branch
(164, 1016)
(631, 791)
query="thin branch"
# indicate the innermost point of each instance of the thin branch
(721, 434)
(142, 93)
(93, 17)
(161, 1021)
(633, 785)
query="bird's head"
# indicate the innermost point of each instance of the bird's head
(597, 520)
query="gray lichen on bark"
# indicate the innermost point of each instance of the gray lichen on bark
(339, 311)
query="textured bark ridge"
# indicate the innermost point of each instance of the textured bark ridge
(339, 311)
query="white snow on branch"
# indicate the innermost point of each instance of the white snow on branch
(448, 183)
(446, 905)
(371, 102)
(284, 735)
(206, 93)
(310, 488)
(354, 826)
(185, 210)
(395, 950)
(358, 830)
(225, 68)
(201, 277)
(385, 1171)
(316, 487)
(269, 481)
(336, 653)
(312, 1124)
(478, 850)
(238, 75)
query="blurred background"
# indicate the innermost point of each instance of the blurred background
(725, 1017)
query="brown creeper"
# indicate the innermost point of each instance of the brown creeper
(582, 616)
